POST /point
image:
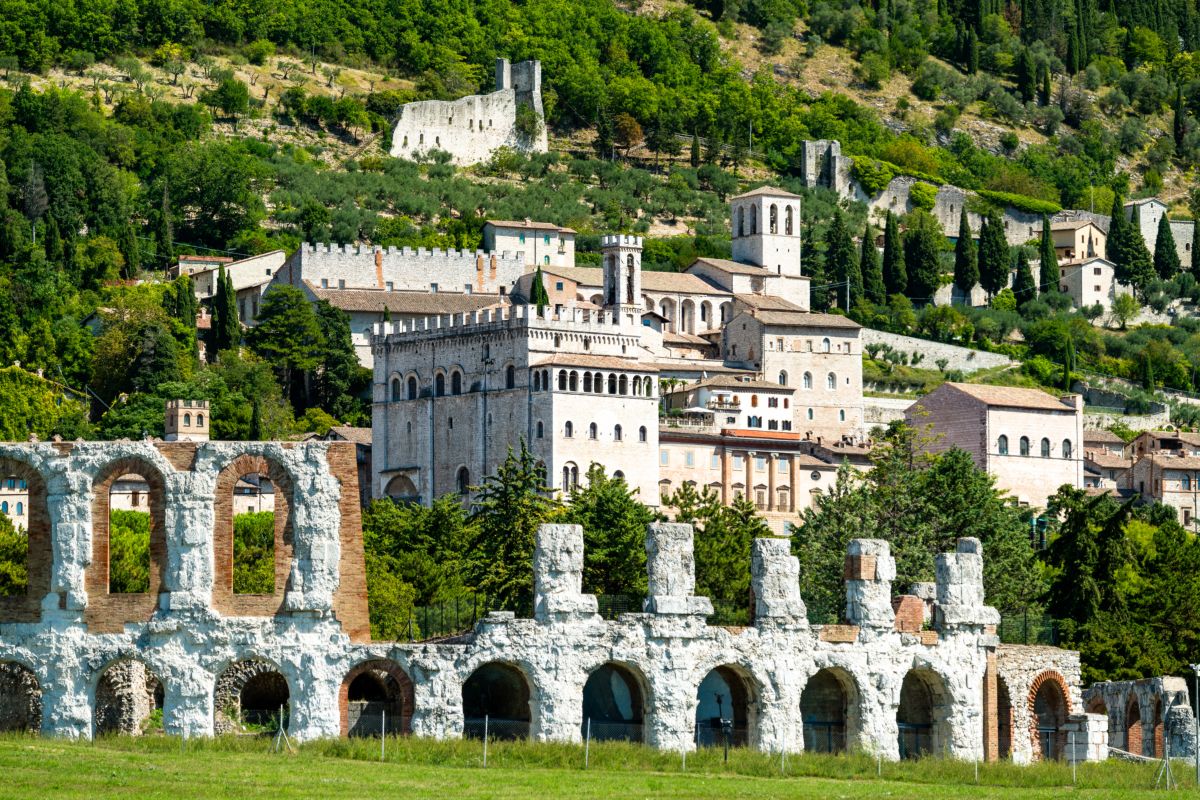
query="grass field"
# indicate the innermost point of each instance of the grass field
(157, 767)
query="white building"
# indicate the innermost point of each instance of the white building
(1090, 282)
(543, 243)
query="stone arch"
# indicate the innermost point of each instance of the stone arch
(39, 559)
(1049, 704)
(923, 714)
(373, 694)
(706, 315)
(666, 307)
(687, 316)
(397, 392)
(249, 693)
(20, 698)
(108, 612)
(829, 710)
(615, 700)
(1133, 727)
(739, 699)
(1004, 718)
(401, 488)
(1157, 727)
(414, 390)
(500, 695)
(126, 694)
(224, 599)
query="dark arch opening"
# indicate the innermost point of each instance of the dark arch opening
(496, 696)
(248, 698)
(20, 699)
(1133, 728)
(723, 708)
(1004, 718)
(376, 695)
(613, 704)
(824, 705)
(129, 700)
(921, 718)
(1049, 715)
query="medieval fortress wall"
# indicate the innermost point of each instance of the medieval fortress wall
(77, 660)
(472, 128)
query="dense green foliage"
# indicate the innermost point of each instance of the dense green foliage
(254, 553)
(128, 552)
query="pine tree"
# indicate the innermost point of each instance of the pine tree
(227, 330)
(871, 268)
(1166, 259)
(1023, 286)
(895, 279)
(840, 264)
(966, 259)
(164, 235)
(1048, 270)
(993, 255)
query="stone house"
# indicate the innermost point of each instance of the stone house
(734, 402)
(543, 243)
(1171, 479)
(1030, 441)
(1078, 239)
(1091, 282)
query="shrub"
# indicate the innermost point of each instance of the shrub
(1030, 205)
(874, 70)
(872, 174)
(257, 52)
(922, 195)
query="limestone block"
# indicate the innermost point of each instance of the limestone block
(775, 581)
(869, 592)
(671, 571)
(1085, 737)
(558, 574)
(960, 587)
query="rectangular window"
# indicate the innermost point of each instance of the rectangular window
(324, 283)
(772, 402)
(689, 459)
(772, 425)
(466, 288)
(558, 286)
(760, 464)
(341, 283)
(391, 287)
(664, 457)
(546, 239)
(521, 237)
(1096, 271)
(738, 462)
(714, 461)
(433, 288)
(787, 424)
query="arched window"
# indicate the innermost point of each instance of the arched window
(612, 383)
(395, 389)
(754, 401)
(616, 433)
(623, 384)
(810, 413)
(808, 380)
(4, 507)
(1024, 445)
(187, 420)
(831, 381)
(570, 476)
(20, 508)
(199, 420)
(774, 219)
(1002, 445)
(642, 434)
(510, 377)
(587, 381)
(540, 429)
(562, 380)
(1067, 448)
(787, 221)
(537, 381)
(439, 385)
(593, 431)
(1186, 483)
(637, 384)
(574, 381)
(753, 220)
(412, 387)
(842, 415)
(1045, 448)
(741, 221)
(463, 480)
(825, 345)
(783, 377)
(648, 386)
(456, 382)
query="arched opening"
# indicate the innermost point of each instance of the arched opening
(570, 476)
(562, 380)
(128, 700)
(774, 219)
(1004, 719)
(922, 717)
(723, 708)
(1133, 728)
(463, 481)
(1158, 728)
(496, 695)
(456, 382)
(741, 222)
(412, 387)
(825, 708)
(787, 221)
(510, 377)
(753, 220)
(253, 534)
(1049, 706)
(613, 705)
(26, 542)
(250, 697)
(376, 696)
(396, 391)
(688, 316)
(666, 307)
(20, 699)
(439, 385)
(587, 382)
(401, 489)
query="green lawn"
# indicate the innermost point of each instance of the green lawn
(247, 768)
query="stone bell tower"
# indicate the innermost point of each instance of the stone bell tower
(622, 254)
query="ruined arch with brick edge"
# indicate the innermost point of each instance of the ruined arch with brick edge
(27, 607)
(374, 694)
(741, 700)
(224, 600)
(108, 612)
(830, 711)
(1049, 703)
(616, 700)
(1157, 727)
(923, 714)
(1004, 719)
(251, 692)
(502, 696)
(20, 698)
(125, 695)
(1133, 726)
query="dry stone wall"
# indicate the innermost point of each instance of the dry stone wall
(208, 668)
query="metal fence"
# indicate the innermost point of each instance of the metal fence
(445, 619)
(916, 740)
(611, 731)
(496, 729)
(824, 737)
(725, 612)
(711, 734)
(1026, 628)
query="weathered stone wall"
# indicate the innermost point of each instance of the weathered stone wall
(222, 668)
(963, 358)
(1144, 716)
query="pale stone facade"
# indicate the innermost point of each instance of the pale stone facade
(1170, 479)
(1145, 717)
(544, 244)
(1091, 282)
(1030, 441)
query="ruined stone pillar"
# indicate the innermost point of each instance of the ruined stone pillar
(775, 581)
(558, 576)
(869, 572)
(671, 571)
(960, 589)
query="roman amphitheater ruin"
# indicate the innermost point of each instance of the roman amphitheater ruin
(901, 676)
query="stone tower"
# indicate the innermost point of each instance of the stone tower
(187, 421)
(766, 230)
(622, 254)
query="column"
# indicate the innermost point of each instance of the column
(771, 481)
(750, 475)
(726, 476)
(795, 481)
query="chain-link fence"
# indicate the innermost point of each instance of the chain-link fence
(824, 737)
(495, 729)
(1026, 628)
(916, 740)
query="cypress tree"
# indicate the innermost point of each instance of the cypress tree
(164, 236)
(1023, 75)
(227, 331)
(1074, 61)
(840, 263)
(1115, 245)
(1166, 259)
(1147, 373)
(1139, 265)
(972, 52)
(871, 269)
(128, 246)
(966, 259)
(814, 262)
(1068, 363)
(1044, 99)
(1179, 123)
(256, 421)
(1196, 246)
(53, 241)
(1023, 286)
(695, 155)
(993, 255)
(1048, 270)
(895, 277)
(923, 241)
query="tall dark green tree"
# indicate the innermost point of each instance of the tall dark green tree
(993, 255)
(1166, 258)
(1132, 260)
(1023, 286)
(840, 264)
(895, 278)
(614, 533)
(871, 268)
(966, 260)
(1048, 268)
(288, 337)
(1024, 75)
(164, 234)
(923, 241)
(128, 245)
(338, 377)
(814, 268)
(1179, 120)
(1089, 554)
(226, 328)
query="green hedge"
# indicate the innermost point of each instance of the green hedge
(1021, 202)
(874, 174)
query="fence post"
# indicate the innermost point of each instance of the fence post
(382, 734)
(485, 738)
(587, 743)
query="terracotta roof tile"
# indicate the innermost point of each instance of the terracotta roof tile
(595, 362)
(1011, 396)
(417, 303)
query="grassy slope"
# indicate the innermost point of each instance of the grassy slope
(158, 768)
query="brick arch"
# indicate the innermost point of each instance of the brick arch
(227, 690)
(105, 612)
(125, 691)
(398, 686)
(224, 599)
(27, 607)
(1055, 678)
(1133, 726)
